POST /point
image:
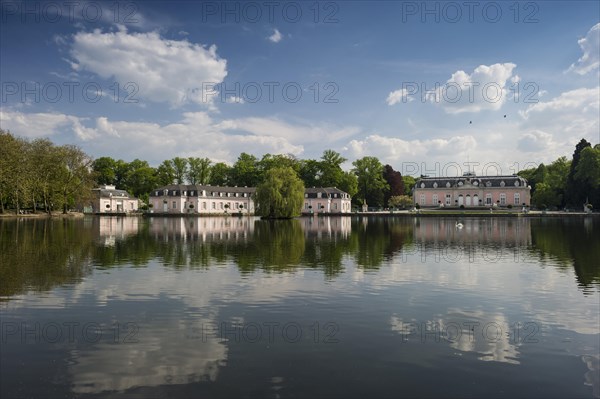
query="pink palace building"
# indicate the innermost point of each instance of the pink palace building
(470, 190)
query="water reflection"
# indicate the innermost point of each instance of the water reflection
(409, 297)
(40, 254)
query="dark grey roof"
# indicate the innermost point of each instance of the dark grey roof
(107, 193)
(178, 189)
(311, 192)
(479, 181)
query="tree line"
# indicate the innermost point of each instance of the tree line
(369, 180)
(567, 183)
(39, 175)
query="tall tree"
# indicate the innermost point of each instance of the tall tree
(141, 179)
(371, 183)
(409, 184)
(75, 180)
(105, 170)
(576, 190)
(394, 180)
(331, 171)
(280, 195)
(245, 171)
(198, 170)
(310, 172)
(588, 173)
(180, 167)
(165, 173)
(220, 174)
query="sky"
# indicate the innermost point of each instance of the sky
(432, 87)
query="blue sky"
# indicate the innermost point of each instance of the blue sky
(421, 85)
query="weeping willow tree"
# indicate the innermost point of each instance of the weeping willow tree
(281, 194)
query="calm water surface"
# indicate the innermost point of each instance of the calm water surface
(322, 307)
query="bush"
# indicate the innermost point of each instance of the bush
(462, 207)
(417, 206)
(509, 206)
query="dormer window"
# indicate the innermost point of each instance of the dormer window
(475, 183)
(435, 185)
(460, 183)
(488, 184)
(166, 192)
(448, 184)
(502, 184)
(422, 185)
(516, 183)
(156, 193)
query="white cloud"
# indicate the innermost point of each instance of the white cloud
(195, 134)
(276, 36)
(394, 150)
(484, 89)
(398, 95)
(173, 71)
(535, 141)
(590, 45)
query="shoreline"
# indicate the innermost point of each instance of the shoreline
(387, 214)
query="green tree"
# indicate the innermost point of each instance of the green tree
(199, 170)
(349, 183)
(331, 170)
(281, 195)
(74, 179)
(371, 183)
(310, 172)
(141, 179)
(220, 174)
(105, 170)
(165, 173)
(576, 190)
(400, 201)
(588, 173)
(180, 168)
(409, 183)
(545, 196)
(245, 171)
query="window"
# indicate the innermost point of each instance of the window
(434, 199)
(502, 199)
(174, 204)
(517, 199)
(448, 198)
(214, 205)
(245, 195)
(319, 205)
(204, 205)
(306, 205)
(422, 199)
(305, 195)
(220, 205)
(318, 195)
(156, 194)
(488, 199)
(335, 206)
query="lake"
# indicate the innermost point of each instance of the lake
(314, 307)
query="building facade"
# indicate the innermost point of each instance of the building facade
(181, 198)
(326, 200)
(108, 199)
(470, 190)
(200, 199)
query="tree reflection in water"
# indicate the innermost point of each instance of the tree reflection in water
(38, 254)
